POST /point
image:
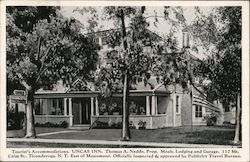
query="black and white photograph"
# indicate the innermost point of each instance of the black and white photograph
(124, 80)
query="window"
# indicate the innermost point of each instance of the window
(177, 104)
(196, 79)
(111, 106)
(198, 111)
(38, 103)
(49, 106)
(137, 105)
(57, 107)
(226, 107)
(105, 40)
(96, 40)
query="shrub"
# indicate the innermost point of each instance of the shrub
(101, 125)
(142, 124)
(210, 119)
(105, 125)
(62, 124)
(131, 124)
(117, 125)
(15, 120)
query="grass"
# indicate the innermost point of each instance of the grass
(191, 135)
(21, 133)
(220, 135)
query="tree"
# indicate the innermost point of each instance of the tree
(43, 49)
(130, 63)
(223, 66)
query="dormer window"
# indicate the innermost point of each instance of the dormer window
(96, 40)
(105, 40)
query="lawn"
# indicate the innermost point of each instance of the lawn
(220, 135)
(21, 133)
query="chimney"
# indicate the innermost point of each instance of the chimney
(185, 38)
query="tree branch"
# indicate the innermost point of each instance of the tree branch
(41, 71)
(39, 75)
(23, 82)
(38, 48)
(44, 57)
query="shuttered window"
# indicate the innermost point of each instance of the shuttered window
(198, 111)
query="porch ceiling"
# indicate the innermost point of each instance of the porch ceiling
(72, 94)
(83, 94)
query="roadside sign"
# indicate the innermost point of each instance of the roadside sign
(19, 92)
(18, 99)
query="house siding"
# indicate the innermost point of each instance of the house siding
(41, 119)
(186, 111)
(169, 119)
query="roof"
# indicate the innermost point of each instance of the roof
(87, 89)
(102, 32)
(199, 98)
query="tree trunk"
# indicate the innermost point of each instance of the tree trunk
(30, 122)
(238, 120)
(191, 102)
(125, 117)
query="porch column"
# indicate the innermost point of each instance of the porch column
(92, 106)
(96, 107)
(147, 105)
(174, 108)
(153, 108)
(70, 112)
(65, 106)
(156, 106)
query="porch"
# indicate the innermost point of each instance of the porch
(155, 109)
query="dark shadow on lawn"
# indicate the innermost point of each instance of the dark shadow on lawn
(210, 137)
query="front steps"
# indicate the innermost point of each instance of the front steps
(80, 127)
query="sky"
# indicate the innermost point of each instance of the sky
(188, 13)
(162, 28)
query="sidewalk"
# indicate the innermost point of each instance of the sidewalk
(128, 143)
(199, 136)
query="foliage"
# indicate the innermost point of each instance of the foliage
(15, 120)
(43, 49)
(54, 49)
(117, 125)
(210, 119)
(174, 65)
(101, 125)
(173, 69)
(142, 124)
(131, 125)
(26, 17)
(105, 125)
(132, 59)
(170, 68)
(62, 124)
(223, 66)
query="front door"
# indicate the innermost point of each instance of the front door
(81, 111)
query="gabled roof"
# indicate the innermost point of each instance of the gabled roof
(103, 32)
(80, 85)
